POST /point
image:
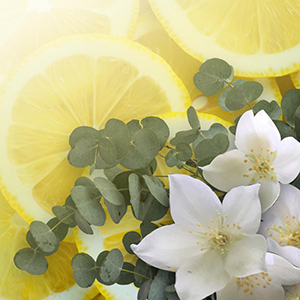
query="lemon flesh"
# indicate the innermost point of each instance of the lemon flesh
(258, 38)
(76, 81)
(26, 25)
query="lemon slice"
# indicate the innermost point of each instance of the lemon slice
(26, 25)
(150, 33)
(110, 235)
(56, 283)
(258, 38)
(295, 77)
(75, 81)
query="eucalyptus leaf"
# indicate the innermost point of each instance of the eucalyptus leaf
(60, 229)
(135, 191)
(172, 159)
(126, 277)
(151, 209)
(222, 99)
(117, 133)
(208, 149)
(84, 181)
(289, 104)
(297, 123)
(157, 190)
(284, 129)
(83, 153)
(82, 224)
(109, 191)
(160, 282)
(147, 227)
(143, 292)
(171, 293)
(241, 94)
(31, 261)
(84, 269)
(110, 267)
(133, 126)
(107, 151)
(159, 127)
(183, 151)
(83, 133)
(122, 185)
(193, 118)
(271, 108)
(87, 200)
(142, 273)
(65, 215)
(131, 237)
(212, 76)
(31, 242)
(42, 234)
(113, 172)
(187, 136)
(116, 212)
(144, 147)
(101, 164)
(148, 170)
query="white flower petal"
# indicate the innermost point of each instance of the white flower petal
(242, 206)
(256, 132)
(281, 270)
(201, 277)
(230, 291)
(233, 291)
(226, 171)
(290, 253)
(246, 256)
(287, 205)
(268, 193)
(192, 201)
(167, 247)
(287, 163)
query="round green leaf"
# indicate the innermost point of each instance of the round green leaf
(87, 200)
(160, 282)
(144, 147)
(31, 261)
(271, 108)
(193, 118)
(289, 104)
(183, 151)
(142, 273)
(172, 160)
(117, 133)
(210, 79)
(116, 212)
(107, 151)
(82, 224)
(42, 234)
(133, 126)
(65, 214)
(187, 136)
(129, 238)
(83, 133)
(126, 277)
(241, 94)
(147, 227)
(60, 229)
(84, 269)
(159, 127)
(110, 267)
(284, 129)
(109, 191)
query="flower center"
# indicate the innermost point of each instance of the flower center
(218, 235)
(288, 235)
(292, 293)
(260, 165)
(251, 283)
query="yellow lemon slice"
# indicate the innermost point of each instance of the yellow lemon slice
(258, 38)
(56, 283)
(295, 79)
(75, 81)
(26, 25)
(110, 235)
(150, 33)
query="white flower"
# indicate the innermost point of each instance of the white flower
(261, 156)
(210, 241)
(292, 292)
(281, 224)
(265, 285)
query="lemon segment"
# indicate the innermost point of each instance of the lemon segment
(26, 25)
(76, 81)
(258, 38)
(57, 283)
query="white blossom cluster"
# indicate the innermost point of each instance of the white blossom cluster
(248, 246)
